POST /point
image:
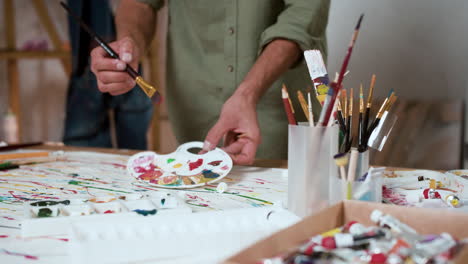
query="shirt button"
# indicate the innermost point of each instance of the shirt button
(230, 68)
(231, 31)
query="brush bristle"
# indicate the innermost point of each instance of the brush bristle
(341, 159)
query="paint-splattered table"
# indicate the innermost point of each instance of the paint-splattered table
(97, 174)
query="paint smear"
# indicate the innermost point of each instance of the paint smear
(196, 164)
(210, 174)
(170, 160)
(178, 165)
(215, 163)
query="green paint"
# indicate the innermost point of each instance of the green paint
(170, 160)
(78, 183)
(44, 212)
(163, 201)
(240, 195)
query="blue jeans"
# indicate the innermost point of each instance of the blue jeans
(87, 120)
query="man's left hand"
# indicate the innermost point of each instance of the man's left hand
(238, 125)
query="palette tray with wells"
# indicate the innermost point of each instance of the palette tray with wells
(180, 169)
(53, 217)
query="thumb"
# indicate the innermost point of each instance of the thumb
(126, 50)
(214, 136)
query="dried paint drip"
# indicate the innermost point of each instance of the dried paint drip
(145, 212)
(180, 169)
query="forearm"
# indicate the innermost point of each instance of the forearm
(276, 58)
(137, 21)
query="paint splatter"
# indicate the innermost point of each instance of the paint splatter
(225, 167)
(170, 160)
(109, 212)
(178, 165)
(196, 164)
(26, 256)
(3, 236)
(215, 163)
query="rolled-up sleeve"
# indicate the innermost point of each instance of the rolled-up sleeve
(301, 21)
(155, 4)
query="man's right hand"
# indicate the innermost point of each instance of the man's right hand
(110, 73)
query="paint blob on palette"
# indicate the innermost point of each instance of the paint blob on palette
(180, 169)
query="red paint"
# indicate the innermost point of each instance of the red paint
(16, 196)
(109, 212)
(20, 255)
(426, 194)
(150, 175)
(3, 236)
(8, 218)
(196, 164)
(225, 167)
(215, 163)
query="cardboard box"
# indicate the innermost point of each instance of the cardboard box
(424, 221)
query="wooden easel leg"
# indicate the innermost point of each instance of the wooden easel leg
(43, 15)
(12, 64)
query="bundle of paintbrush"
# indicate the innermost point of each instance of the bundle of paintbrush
(364, 128)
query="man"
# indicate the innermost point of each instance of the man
(87, 121)
(226, 63)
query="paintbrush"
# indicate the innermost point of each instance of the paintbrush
(16, 163)
(336, 86)
(22, 155)
(349, 52)
(362, 129)
(341, 160)
(17, 146)
(288, 106)
(309, 107)
(149, 90)
(339, 114)
(381, 111)
(369, 104)
(303, 104)
(350, 121)
(353, 159)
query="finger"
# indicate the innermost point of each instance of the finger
(214, 136)
(116, 88)
(126, 50)
(234, 148)
(106, 64)
(107, 77)
(247, 155)
(230, 138)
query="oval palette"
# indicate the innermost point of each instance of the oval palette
(180, 169)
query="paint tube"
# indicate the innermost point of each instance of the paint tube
(411, 182)
(395, 225)
(342, 240)
(426, 251)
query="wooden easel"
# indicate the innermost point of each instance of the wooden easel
(11, 55)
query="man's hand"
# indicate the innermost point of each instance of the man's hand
(110, 73)
(238, 125)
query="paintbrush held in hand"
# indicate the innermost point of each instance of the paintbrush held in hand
(149, 90)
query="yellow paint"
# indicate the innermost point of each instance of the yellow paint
(331, 232)
(432, 184)
(178, 165)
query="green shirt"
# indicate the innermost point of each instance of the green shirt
(212, 45)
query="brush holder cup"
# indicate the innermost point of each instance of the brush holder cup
(310, 166)
(362, 188)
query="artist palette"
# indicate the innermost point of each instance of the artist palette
(53, 217)
(180, 169)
